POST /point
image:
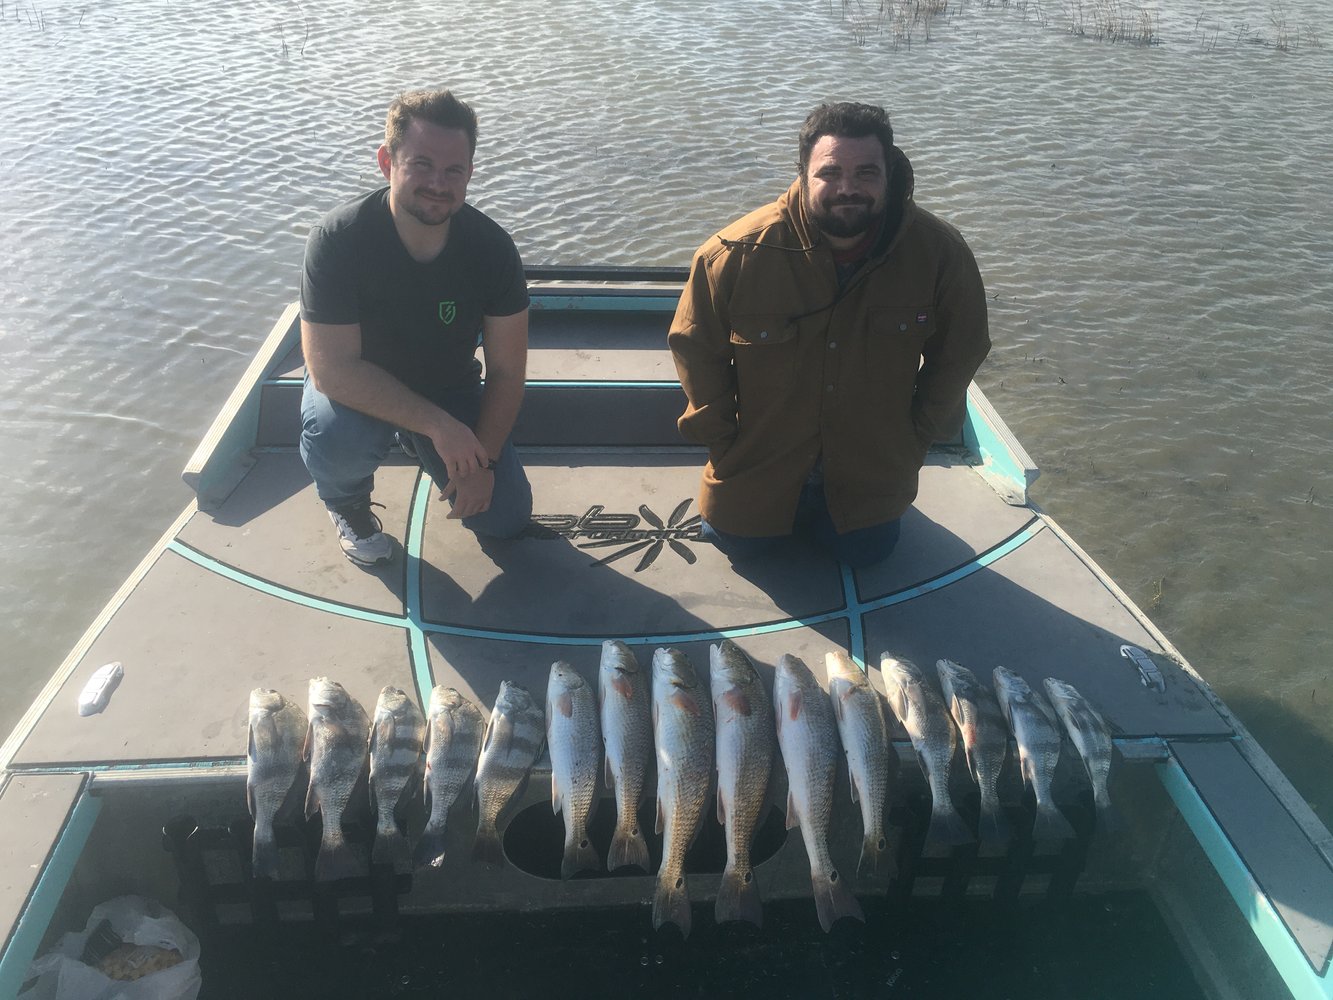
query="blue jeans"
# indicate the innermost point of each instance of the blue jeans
(342, 448)
(858, 548)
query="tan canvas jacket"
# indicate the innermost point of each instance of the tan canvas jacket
(780, 367)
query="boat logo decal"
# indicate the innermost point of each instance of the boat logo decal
(625, 534)
(448, 310)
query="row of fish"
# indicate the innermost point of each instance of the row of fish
(342, 748)
(727, 727)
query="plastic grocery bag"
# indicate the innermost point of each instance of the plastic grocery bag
(63, 975)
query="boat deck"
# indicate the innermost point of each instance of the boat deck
(250, 589)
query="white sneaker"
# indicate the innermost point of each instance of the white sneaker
(360, 536)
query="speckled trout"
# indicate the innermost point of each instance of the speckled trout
(808, 737)
(924, 715)
(1037, 732)
(574, 740)
(1091, 737)
(683, 736)
(454, 728)
(513, 739)
(627, 737)
(872, 763)
(744, 737)
(272, 768)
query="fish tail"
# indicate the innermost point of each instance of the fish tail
(264, 860)
(994, 826)
(391, 848)
(947, 828)
(580, 856)
(738, 897)
(1108, 819)
(488, 850)
(336, 858)
(671, 903)
(877, 860)
(833, 900)
(430, 848)
(1050, 823)
(628, 849)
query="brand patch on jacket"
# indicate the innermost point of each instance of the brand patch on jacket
(448, 310)
(922, 317)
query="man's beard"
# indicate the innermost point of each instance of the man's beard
(844, 224)
(430, 213)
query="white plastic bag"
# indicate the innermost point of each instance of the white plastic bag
(136, 920)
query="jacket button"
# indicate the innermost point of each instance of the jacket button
(832, 345)
(763, 334)
(830, 387)
(902, 326)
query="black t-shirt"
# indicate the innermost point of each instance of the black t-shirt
(422, 323)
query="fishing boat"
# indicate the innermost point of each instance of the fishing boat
(146, 793)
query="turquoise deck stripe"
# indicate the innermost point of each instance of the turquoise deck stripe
(853, 609)
(856, 639)
(1304, 982)
(280, 592)
(416, 637)
(36, 916)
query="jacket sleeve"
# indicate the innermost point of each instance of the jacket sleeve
(954, 352)
(700, 342)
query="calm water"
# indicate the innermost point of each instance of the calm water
(1153, 224)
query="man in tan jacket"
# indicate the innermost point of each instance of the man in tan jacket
(824, 342)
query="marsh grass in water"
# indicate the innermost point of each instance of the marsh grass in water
(903, 22)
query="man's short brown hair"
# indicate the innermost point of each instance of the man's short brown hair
(439, 107)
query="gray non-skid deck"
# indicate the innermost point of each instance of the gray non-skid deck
(257, 593)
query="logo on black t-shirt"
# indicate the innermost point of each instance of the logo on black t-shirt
(448, 310)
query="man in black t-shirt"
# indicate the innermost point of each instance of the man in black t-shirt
(398, 289)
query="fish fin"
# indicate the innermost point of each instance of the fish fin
(580, 856)
(947, 828)
(661, 817)
(430, 848)
(264, 858)
(877, 861)
(610, 775)
(1050, 824)
(738, 898)
(392, 849)
(555, 795)
(856, 791)
(336, 859)
(307, 748)
(994, 825)
(487, 849)
(833, 900)
(671, 903)
(792, 819)
(311, 799)
(721, 808)
(628, 850)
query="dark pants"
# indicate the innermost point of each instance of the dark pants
(858, 548)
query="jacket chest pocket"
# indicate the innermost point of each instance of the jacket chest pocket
(898, 335)
(765, 348)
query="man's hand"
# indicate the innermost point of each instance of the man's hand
(471, 493)
(459, 450)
